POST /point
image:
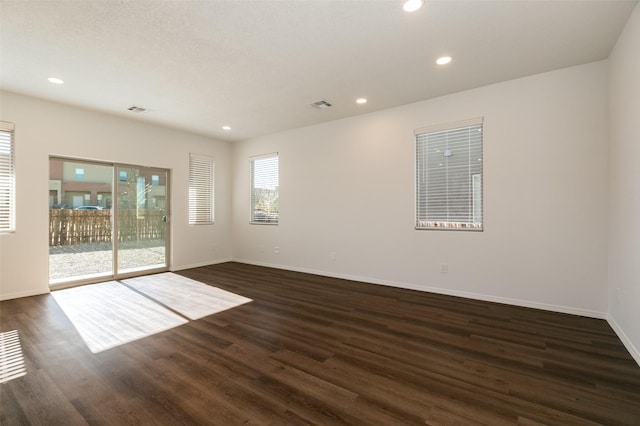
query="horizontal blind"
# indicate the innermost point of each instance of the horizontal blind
(7, 179)
(201, 189)
(264, 189)
(449, 168)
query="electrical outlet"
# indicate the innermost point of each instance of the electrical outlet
(276, 250)
(333, 255)
(444, 268)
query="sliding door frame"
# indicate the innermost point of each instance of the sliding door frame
(115, 274)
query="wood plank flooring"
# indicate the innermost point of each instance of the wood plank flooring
(318, 350)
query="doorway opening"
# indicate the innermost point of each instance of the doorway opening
(106, 221)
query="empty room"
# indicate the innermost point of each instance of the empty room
(457, 241)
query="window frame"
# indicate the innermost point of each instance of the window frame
(252, 199)
(8, 179)
(422, 220)
(201, 174)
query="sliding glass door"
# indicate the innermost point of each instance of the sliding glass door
(80, 223)
(106, 221)
(141, 212)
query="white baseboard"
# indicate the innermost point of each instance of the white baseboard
(20, 294)
(635, 353)
(409, 286)
(199, 265)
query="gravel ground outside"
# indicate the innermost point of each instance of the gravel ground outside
(90, 259)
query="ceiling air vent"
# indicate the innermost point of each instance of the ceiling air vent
(136, 109)
(321, 104)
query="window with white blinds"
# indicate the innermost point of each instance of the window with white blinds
(264, 189)
(449, 176)
(201, 189)
(7, 179)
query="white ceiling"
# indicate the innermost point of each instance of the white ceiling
(257, 65)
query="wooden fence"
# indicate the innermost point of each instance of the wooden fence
(67, 227)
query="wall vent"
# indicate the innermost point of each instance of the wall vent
(321, 104)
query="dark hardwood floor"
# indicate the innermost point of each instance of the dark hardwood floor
(318, 350)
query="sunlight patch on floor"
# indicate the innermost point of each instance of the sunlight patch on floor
(113, 313)
(11, 357)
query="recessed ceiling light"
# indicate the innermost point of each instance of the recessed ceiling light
(361, 101)
(412, 5)
(226, 128)
(443, 60)
(55, 80)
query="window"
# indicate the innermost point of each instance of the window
(449, 176)
(79, 174)
(7, 179)
(201, 187)
(264, 189)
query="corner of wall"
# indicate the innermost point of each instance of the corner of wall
(633, 350)
(623, 270)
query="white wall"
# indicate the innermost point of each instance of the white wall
(43, 128)
(348, 186)
(624, 186)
